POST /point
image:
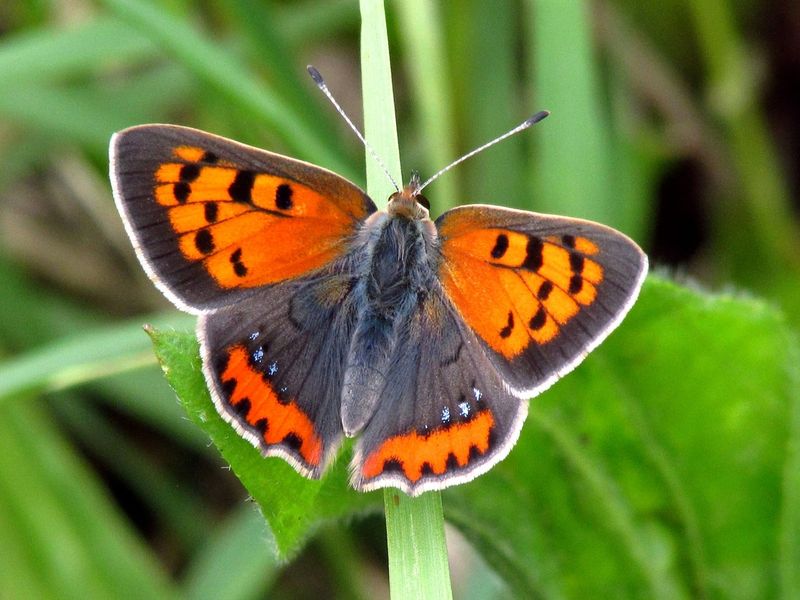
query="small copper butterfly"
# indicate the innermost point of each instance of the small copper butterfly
(322, 317)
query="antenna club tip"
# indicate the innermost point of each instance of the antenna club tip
(315, 75)
(539, 116)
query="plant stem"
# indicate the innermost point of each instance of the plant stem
(414, 526)
(418, 565)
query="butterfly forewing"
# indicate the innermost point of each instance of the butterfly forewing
(540, 291)
(209, 216)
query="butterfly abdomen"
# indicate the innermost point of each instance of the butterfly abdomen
(397, 269)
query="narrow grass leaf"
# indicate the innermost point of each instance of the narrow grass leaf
(217, 68)
(421, 30)
(48, 54)
(236, 563)
(418, 565)
(80, 358)
(74, 542)
(573, 173)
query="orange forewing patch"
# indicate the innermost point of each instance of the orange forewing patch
(511, 269)
(586, 246)
(285, 423)
(187, 218)
(413, 451)
(259, 250)
(189, 153)
(469, 284)
(251, 229)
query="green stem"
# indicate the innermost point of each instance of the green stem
(414, 526)
(418, 565)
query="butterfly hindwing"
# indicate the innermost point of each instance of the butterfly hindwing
(444, 416)
(213, 219)
(275, 365)
(540, 291)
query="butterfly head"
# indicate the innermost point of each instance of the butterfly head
(409, 202)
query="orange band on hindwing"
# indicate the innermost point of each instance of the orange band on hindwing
(254, 401)
(435, 453)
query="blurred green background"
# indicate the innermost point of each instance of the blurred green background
(676, 122)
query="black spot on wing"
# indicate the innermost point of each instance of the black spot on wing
(261, 426)
(204, 241)
(228, 387)
(242, 407)
(242, 187)
(236, 260)
(539, 319)
(209, 158)
(576, 262)
(506, 331)
(575, 284)
(543, 293)
(500, 246)
(392, 465)
(181, 191)
(283, 196)
(533, 254)
(293, 441)
(189, 172)
(211, 212)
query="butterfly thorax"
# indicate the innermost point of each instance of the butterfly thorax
(398, 266)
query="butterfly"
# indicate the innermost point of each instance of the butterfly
(322, 317)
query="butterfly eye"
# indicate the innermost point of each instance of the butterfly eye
(424, 201)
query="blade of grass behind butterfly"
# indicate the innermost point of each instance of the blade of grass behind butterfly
(572, 160)
(88, 115)
(255, 22)
(53, 53)
(73, 540)
(414, 526)
(235, 562)
(217, 68)
(311, 19)
(81, 358)
(760, 203)
(179, 509)
(490, 102)
(50, 321)
(421, 31)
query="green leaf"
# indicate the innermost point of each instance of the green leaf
(655, 469)
(292, 505)
(79, 358)
(421, 30)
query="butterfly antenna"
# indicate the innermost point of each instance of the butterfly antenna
(521, 127)
(317, 77)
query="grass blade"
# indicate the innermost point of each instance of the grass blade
(219, 70)
(414, 526)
